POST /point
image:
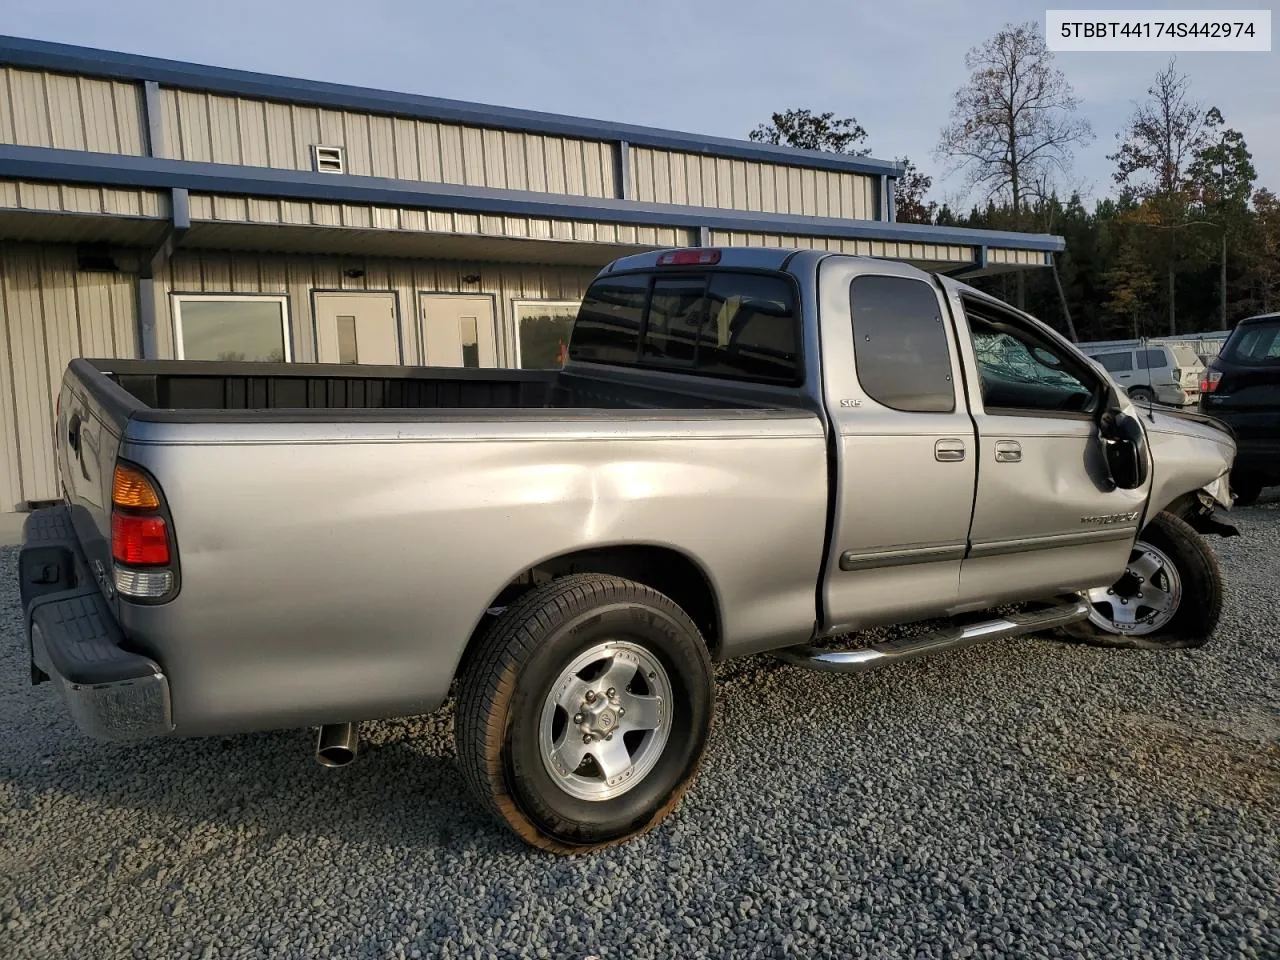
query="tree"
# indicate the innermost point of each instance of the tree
(1014, 122)
(909, 195)
(1158, 146)
(807, 130)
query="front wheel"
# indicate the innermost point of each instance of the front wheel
(583, 715)
(1169, 597)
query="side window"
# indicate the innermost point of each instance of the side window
(900, 344)
(1152, 360)
(1116, 362)
(1022, 372)
(608, 326)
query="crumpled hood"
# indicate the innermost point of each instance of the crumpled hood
(1182, 424)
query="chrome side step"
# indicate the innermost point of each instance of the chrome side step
(948, 638)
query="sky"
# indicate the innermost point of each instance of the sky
(712, 66)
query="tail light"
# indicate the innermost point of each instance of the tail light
(141, 541)
(1209, 382)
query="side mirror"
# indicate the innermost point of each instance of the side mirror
(1124, 445)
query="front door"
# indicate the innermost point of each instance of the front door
(357, 328)
(1046, 519)
(904, 492)
(458, 330)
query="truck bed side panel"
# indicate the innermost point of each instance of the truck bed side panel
(337, 574)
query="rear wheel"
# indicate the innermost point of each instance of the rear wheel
(1143, 394)
(1169, 597)
(584, 713)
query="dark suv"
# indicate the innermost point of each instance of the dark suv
(1241, 387)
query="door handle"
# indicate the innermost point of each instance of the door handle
(1008, 451)
(948, 451)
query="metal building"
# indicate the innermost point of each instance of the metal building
(161, 209)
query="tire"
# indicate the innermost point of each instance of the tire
(523, 667)
(1190, 620)
(1142, 394)
(1247, 488)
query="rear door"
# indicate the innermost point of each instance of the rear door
(1045, 518)
(904, 465)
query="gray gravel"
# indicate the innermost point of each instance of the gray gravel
(1028, 799)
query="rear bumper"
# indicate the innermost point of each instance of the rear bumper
(112, 693)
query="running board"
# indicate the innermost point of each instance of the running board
(948, 638)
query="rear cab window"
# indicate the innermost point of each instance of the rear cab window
(724, 323)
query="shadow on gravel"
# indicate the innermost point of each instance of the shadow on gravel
(268, 786)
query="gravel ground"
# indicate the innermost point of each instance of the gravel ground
(1027, 798)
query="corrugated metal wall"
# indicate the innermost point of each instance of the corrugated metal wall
(49, 313)
(364, 216)
(948, 253)
(1037, 258)
(665, 176)
(297, 276)
(39, 109)
(210, 127)
(65, 198)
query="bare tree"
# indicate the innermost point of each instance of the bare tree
(1162, 138)
(1014, 122)
(1159, 146)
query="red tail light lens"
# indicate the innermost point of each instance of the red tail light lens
(1209, 382)
(139, 541)
(682, 258)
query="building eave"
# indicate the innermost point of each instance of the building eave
(74, 166)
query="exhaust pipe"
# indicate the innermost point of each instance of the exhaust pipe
(337, 744)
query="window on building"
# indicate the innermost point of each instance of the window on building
(230, 327)
(542, 332)
(1152, 360)
(1116, 362)
(900, 344)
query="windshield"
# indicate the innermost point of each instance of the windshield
(1257, 343)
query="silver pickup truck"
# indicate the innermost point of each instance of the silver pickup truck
(746, 451)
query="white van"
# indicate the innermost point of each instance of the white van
(1151, 370)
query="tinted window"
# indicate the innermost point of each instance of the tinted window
(1021, 371)
(677, 315)
(724, 324)
(752, 329)
(1116, 362)
(608, 326)
(900, 344)
(1254, 343)
(1152, 360)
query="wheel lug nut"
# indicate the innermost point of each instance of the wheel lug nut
(591, 696)
(621, 711)
(578, 718)
(608, 736)
(586, 738)
(611, 693)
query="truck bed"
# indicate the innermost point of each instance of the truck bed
(221, 390)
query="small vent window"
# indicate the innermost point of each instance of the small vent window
(328, 159)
